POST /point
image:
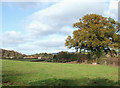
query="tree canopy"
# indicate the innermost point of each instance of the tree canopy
(95, 33)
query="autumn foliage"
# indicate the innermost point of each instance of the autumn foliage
(95, 34)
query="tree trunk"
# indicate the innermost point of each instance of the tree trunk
(80, 50)
(93, 61)
(113, 63)
(76, 50)
(85, 61)
(96, 60)
(105, 62)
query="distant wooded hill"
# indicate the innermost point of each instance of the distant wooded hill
(10, 54)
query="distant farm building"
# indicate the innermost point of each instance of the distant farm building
(39, 58)
(31, 57)
(11, 57)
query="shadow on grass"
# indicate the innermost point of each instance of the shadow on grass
(11, 76)
(29, 60)
(75, 82)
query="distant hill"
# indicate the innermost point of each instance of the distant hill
(69, 52)
(10, 54)
(54, 53)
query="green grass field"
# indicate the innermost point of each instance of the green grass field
(24, 73)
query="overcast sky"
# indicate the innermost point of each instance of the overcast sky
(35, 27)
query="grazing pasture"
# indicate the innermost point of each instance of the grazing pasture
(25, 73)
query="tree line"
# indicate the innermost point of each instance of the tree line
(10, 54)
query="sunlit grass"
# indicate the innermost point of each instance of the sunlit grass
(23, 73)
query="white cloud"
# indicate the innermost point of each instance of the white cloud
(39, 29)
(119, 11)
(112, 10)
(54, 44)
(29, 5)
(66, 30)
(61, 15)
(12, 39)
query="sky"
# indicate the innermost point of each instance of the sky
(32, 27)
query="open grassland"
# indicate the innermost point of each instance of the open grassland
(24, 73)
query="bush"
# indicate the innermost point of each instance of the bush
(62, 57)
(113, 61)
(80, 58)
(49, 60)
(68, 57)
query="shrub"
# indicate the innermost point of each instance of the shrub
(63, 57)
(68, 57)
(80, 57)
(113, 61)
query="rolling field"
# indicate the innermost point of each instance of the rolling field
(24, 73)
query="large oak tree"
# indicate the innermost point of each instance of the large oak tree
(95, 34)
